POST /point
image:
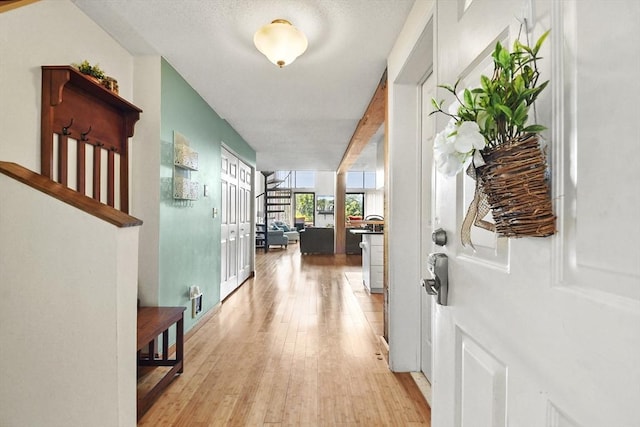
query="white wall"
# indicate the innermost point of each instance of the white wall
(145, 162)
(48, 32)
(374, 202)
(403, 223)
(67, 314)
(73, 363)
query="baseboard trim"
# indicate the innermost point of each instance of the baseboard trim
(203, 319)
(423, 385)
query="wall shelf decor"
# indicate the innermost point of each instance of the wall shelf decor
(78, 112)
(185, 161)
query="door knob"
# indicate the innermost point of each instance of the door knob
(439, 237)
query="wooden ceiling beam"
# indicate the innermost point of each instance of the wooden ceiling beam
(368, 125)
(6, 5)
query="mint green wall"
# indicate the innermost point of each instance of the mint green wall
(189, 235)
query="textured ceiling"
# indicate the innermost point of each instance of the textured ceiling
(299, 117)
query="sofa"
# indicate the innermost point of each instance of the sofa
(291, 233)
(277, 237)
(316, 240)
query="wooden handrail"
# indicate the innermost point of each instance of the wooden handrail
(8, 5)
(68, 196)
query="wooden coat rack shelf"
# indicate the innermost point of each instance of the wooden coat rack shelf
(77, 107)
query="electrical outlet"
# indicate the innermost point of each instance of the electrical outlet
(194, 291)
(195, 295)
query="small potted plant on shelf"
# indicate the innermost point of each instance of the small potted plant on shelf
(490, 135)
(90, 70)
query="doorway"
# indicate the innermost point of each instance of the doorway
(427, 92)
(409, 216)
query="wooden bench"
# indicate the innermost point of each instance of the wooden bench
(153, 322)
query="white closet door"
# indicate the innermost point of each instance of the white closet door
(229, 224)
(245, 246)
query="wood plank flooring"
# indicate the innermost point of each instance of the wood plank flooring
(297, 345)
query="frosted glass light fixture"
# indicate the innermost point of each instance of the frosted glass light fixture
(280, 42)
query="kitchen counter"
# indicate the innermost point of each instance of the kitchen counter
(372, 259)
(364, 231)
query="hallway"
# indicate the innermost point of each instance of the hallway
(294, 346)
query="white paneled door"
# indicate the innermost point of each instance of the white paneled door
(546, 331)
(235, 231)
(245, 209)
(229, 224)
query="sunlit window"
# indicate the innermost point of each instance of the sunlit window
(296, 179)
(354, 205)
(305, 207)
(361, 180)
(305, 179)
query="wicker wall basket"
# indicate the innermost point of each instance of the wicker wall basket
(513, 179)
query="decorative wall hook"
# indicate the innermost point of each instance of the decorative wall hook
(65, 129)
(83, 135)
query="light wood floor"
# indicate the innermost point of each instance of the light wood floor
(297, 345)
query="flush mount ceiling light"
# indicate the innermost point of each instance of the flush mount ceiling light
(280, 42)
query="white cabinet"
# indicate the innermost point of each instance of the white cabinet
(372, 261)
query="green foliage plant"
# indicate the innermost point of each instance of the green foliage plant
(500, 106)
(92, 70)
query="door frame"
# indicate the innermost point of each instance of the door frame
(409, 62)
(427, 309)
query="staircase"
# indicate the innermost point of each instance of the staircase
(275, 199)
(83, 296)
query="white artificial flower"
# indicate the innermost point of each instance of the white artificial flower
(469, 137)
(444, 141)
(448, 161)
(449, 165)
(451, 128)
(454, 147)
